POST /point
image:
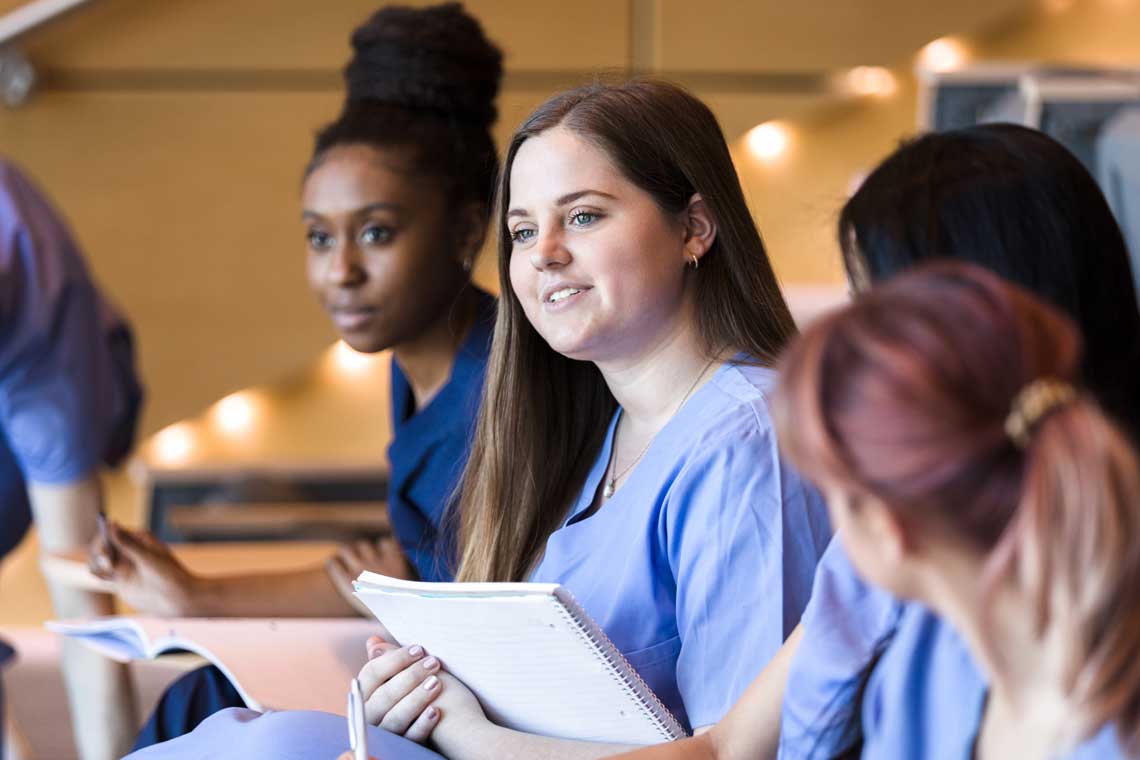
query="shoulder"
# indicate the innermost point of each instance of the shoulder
(733, 410)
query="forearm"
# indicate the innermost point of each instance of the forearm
(99, 691)
(700, 747)
(486, 741)
(299, 593)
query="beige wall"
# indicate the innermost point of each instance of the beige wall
(173, 134)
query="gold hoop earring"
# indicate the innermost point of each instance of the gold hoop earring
(694, 261)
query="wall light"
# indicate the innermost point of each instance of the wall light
(874, 81)
(236, 413)
(767, 141)
(943, 54)
(174, 445)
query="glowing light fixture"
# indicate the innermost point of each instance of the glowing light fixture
(874, 81)
(943, 54)
(348, 361)
(236, 413)
(174, 445)
(767, 141)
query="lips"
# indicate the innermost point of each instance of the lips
(351, 318)
(560, 291)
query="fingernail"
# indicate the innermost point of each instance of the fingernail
(431, 663)
(431, 713)
(431, 683)
(415, 650)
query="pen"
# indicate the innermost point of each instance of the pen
(109, 554)
(357, 729)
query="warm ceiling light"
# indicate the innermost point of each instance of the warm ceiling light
(174, 445)
(349, 361)
(943, 54)
(871, 80)
(236, 413)
(767, 141)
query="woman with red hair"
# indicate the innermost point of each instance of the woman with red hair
(965, 471)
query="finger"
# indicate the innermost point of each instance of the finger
(420, 730)
(377, 647)
(348, 557)
(405, 712)
(366, 551)
(334, 566)
(127, 544)
(388, 679)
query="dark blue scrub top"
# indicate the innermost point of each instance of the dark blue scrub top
(69, 396)
(429, 449)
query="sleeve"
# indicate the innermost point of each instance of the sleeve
(847, 625)
(741, 538)
(67, 385)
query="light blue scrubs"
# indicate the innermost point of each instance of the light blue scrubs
(923, 697)
(697, 568)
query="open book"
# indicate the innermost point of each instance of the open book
(536, 661)
(294, 664)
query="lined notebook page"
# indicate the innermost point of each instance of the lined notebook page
(526, 657)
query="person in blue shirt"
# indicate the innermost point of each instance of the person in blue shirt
(395, 203)
(69, 404)
(967, 473)
(1012, 200)
(625, 448)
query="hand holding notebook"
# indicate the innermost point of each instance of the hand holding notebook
(533, 657)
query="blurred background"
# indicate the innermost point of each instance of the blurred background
(173, 136)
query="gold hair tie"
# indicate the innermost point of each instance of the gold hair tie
(1033, 402)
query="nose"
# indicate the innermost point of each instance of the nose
(549, 252)
(345, 268)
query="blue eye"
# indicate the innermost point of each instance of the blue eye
(377, 235)
(584, 218)
(319, 241)
(522, 235)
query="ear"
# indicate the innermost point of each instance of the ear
(470, 232)
(700, 228)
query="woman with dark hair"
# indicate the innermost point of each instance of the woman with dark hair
(966, 473)
(624, 448)
(395, 200)
(1012, 200)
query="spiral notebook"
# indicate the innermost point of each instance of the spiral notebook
(535, 659)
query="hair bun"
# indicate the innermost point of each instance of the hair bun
(435, 58)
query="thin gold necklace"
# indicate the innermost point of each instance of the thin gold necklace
(611, 485)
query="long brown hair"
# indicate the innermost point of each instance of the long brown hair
(544, 416)
(904, 396)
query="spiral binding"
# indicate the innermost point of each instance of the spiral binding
(628, 677)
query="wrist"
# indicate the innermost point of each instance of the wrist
(466, 736)
(194, 597)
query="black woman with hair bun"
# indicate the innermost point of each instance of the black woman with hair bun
(395, 202)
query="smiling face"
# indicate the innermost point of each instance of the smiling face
(383, 257)
(598, 267)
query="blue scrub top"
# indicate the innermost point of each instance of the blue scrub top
(69, 397)
(697, 568)
(429, 450)
(701, 563)
(889, 674)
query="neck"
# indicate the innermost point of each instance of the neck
(650, 385)
(426, 360)
(1024, 668)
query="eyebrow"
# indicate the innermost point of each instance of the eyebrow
(380, 206)
(568, 198)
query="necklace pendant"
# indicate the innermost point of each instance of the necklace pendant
(608, 491)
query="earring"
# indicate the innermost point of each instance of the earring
(694, 261)
(467, 264)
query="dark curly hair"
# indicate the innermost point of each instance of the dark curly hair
(426, 79)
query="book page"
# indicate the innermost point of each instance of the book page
(283, 664)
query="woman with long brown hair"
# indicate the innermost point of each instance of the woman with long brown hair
(965, 470)
(624, 448)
